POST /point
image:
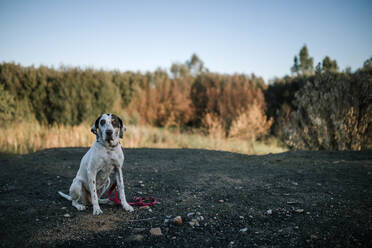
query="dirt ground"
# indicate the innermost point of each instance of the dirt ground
(293, 199)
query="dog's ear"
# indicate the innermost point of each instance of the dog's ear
(95, 126)
(122, 128)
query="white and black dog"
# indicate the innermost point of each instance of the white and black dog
(104, 157)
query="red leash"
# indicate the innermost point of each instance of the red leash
(138, 201)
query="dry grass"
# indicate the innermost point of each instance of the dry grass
(30, 137)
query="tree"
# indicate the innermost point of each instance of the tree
(296, 67)
(368, 63)
(329, 65)
(307, 63)
(195, 65)
(179, 70)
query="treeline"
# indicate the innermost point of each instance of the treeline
(307, 110)
(180, 98)
(65, 95)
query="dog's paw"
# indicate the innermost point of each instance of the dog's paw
(128, 207)
(97, 211)
(78, 206)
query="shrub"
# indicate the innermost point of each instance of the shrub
(279, 97)
(213, 124)
(251, 123)
(7, 105)
(334, 112)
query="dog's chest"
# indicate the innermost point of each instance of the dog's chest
(103, 174)
(109, 161)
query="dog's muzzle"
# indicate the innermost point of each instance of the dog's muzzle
(109, 135)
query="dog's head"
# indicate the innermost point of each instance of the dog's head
(109, 129)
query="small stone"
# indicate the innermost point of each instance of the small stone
(156, 231)
(136, 237)
(138, 230)
(241, 217)
(63, 208)
(174, 237)
(269, 212)
(221, 201)
(140, 182)
(200, 218)
(194, 222)
(144, 207)
(177, 220)
(142, 185)
(243, 229)
(190, 214)
(300, 210)
(67, 215)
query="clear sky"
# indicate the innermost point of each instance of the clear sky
(229, 36)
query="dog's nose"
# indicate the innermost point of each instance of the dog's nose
(109, 132)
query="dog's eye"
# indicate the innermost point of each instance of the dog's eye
(115, 123)
(102, 122)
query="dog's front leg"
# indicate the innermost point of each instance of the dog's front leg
(120, 183)
(93, 192)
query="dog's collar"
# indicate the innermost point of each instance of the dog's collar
(108, 146)
(114, 146)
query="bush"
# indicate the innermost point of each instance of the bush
(213, 125)
(279, 97)
(334, 112)
(7, 105)
(251, 124)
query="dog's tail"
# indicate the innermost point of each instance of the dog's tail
(65, 196)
